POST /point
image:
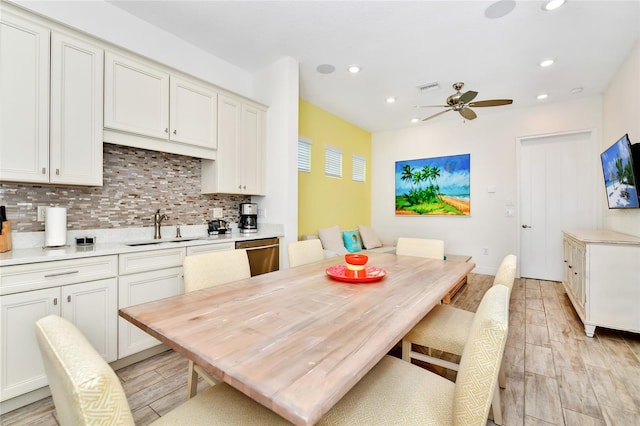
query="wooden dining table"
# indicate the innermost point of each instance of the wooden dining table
(296, 340)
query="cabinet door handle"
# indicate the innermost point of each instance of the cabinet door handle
(69, 298)
(58, 172)
(60, 274)
(55, 301)
(175, 132)
(570, 266)
(166, 130)
(44, 170)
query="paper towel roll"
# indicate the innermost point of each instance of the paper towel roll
(55, 226)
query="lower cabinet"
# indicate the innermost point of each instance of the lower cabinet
(145, 277)
(92, 306)
(602, 278)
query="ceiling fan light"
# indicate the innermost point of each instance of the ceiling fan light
(552, 5)
(547, 62)
(354, 69)
(542, 96)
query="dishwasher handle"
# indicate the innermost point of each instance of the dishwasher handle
(260, 247)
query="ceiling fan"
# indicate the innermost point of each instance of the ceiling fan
(461, 102)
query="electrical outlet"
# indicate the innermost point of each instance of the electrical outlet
(262, 213)
(41, 211)
(485, 250)
(217, 212)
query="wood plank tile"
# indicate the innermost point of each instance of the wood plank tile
(615, 416)
(536, 335)
(610, 390)
(573, 418)
(539, 360)
(536, 317)
(542, 399)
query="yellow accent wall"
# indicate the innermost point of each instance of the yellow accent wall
(325, 201)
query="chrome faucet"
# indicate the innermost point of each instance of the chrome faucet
(157, 222)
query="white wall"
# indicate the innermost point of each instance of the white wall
(277, 86)
(491, 141)
(109, 23)
(621, 111)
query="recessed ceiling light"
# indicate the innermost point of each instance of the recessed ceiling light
(543, 96)
(576, 90)
(354, 69)
(553, 4)
(547, 62)
(325, 68)
(415, 120)
(391, 100)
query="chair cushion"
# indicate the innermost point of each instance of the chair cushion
(444, 328)
(369, 237)
(506, 273)
(395, 392)
(352, 241)
(332, 240)
(303, 252)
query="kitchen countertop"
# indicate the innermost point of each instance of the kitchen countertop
(71, 251)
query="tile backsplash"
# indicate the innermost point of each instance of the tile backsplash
(137, 182)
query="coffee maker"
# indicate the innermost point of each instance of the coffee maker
(248, 217)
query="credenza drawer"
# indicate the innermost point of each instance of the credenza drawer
(35, 276)
(132, 263)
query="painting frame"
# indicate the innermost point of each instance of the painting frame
(435, 186)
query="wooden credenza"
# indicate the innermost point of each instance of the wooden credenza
(602, 278)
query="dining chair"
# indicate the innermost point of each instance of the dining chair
(303, 252)
(420, 247)
(446, 328)
(86, 390)
(208, 270)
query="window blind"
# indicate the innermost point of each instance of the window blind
(304, 155)
(359, 168)
(333, 162)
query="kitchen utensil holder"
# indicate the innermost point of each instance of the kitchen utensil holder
(5, 237)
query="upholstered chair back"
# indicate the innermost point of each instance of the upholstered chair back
(85, 389)
(506, 274)
(210, 269)
(481, 359)
(420, 247)
(303, 252)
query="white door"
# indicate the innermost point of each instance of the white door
(557, 191)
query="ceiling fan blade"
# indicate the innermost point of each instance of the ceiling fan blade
(435, 115)
(431, 106)
(467, 97)
(468, 113)
(491, 103)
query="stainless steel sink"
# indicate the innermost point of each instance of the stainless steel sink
(155, 242)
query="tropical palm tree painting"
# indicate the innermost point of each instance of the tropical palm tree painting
(433, 186)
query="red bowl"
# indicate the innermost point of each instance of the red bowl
(356, 259)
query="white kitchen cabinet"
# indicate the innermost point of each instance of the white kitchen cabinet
(145, 277)
(602, 278)
(157, 110)
(239, 167)
(209, 248)
(91, 306)
(24, 100)
(51, 90)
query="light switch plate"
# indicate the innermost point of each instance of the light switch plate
(41, 211)
(217, 212)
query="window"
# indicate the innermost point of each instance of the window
(359, 168)
(304, 155)
(333, 162)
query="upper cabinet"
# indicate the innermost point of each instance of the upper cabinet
(51, 108)
(146, 107)
(239, 168)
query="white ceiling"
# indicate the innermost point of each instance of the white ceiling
(403, 44)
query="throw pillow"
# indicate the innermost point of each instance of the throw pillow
(369, 237)
(352, 241)
(331, 239)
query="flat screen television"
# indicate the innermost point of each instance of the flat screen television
(620, 176)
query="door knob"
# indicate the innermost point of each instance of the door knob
(527, 226)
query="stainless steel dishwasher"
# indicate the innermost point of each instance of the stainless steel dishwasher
(264, 254)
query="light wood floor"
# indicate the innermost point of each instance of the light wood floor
(556, 375)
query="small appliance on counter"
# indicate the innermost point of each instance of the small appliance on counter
(217, 226)
(248, 218)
